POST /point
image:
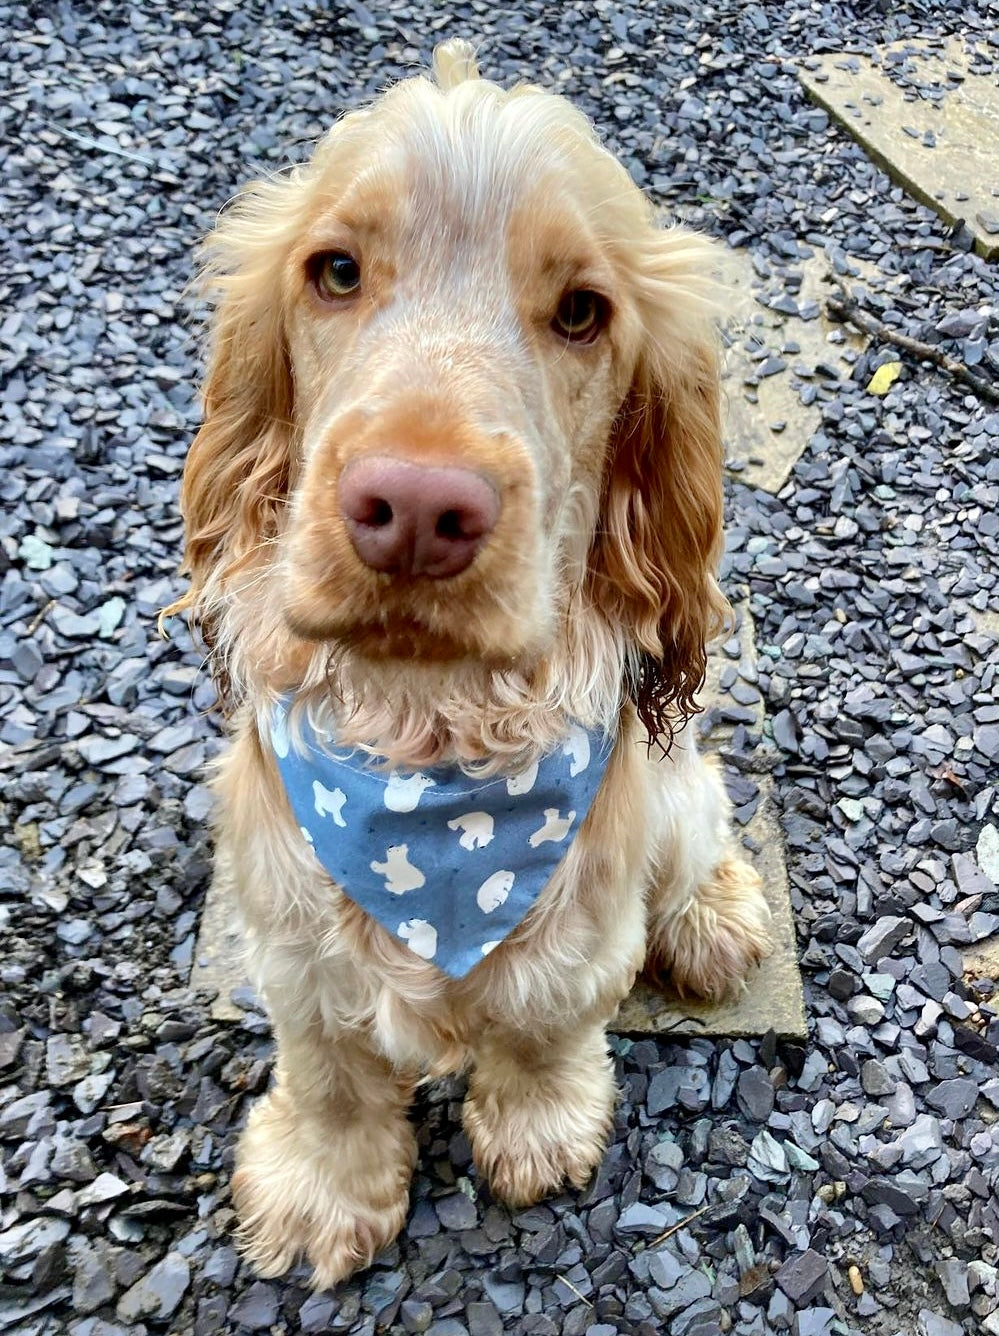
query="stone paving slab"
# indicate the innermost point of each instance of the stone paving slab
(773, 997)
(938, 136)
(767, 424)
(218, 956)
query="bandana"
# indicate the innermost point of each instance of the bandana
(450, 865)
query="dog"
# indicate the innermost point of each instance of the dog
(453, 520)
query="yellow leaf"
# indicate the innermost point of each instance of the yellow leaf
(884, 378)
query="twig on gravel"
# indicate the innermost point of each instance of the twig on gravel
(87, 142)
(845, 308)
(569, 1286)
(39, 617)
(680, 1224)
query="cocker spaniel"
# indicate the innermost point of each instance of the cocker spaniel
(453, 520)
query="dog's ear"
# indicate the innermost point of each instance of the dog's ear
(659, 537)
(239, 467)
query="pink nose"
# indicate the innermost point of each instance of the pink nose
(416, 519)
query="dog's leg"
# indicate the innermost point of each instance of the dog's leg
(538, 1110)
(324, 1166)
(708, 920)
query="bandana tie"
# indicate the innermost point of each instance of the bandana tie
(448, 864)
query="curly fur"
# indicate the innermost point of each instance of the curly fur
(473, 210)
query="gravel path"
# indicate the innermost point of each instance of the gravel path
(872, 579)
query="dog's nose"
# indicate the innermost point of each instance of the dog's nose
(416, 519)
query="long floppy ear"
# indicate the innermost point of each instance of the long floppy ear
(239, 467)
(660, 534)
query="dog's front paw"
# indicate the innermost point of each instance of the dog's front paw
(529, 1141)
(708, 945)
(304, 1188)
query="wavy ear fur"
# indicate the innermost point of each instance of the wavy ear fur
(660, 536)
(239, 468)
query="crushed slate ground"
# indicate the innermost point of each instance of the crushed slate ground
(846, 1185)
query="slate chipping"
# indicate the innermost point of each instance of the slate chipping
(870, 577)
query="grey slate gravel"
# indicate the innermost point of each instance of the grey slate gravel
(871, 580)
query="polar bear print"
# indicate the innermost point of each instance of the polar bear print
(522, 781)
(279, 732)
(420, 936)
(399, 873)
(494, 891)
(486, 947)
(577, 745)
(308, 835)
(329, 802)
(403, 792)
(476, 828)
(556, 828)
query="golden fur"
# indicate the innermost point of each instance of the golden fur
(473, 211)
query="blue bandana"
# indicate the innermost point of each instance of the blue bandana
(448, 864)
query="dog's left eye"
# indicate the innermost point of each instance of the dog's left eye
(334, 274)
(580, 316)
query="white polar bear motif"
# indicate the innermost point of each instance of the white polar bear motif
(494, 891)
(399, 873)
(476, 828)
(403, 792)
(420, 936)
(577, 745)
(279, 734)
(329, 802)
(486, 947)
(556, 828)
(522, 781)
(307, 834)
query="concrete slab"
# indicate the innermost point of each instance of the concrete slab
(767, 425)
(938, 136)
(218, 955)
(981, 961)
(987, 621)
(773, 997)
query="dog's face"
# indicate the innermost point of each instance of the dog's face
(461, 343)
(460, 380)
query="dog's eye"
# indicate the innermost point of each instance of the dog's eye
(580, 316)
(334, 274)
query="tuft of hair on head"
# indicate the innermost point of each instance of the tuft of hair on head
(454, 63)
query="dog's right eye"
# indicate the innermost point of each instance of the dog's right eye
(334, 274)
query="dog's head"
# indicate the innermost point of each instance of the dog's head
(462, 389)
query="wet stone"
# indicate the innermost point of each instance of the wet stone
(955, 1098)
(803, 1277)
(638, 1218)
(456, 1211)
(66, 1060)
(94, 1284)
(159, 1292)
(24, 1241)
(953, 1276)
(933, 1324)
(756, 1094)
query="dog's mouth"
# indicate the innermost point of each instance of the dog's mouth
(405, 638)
